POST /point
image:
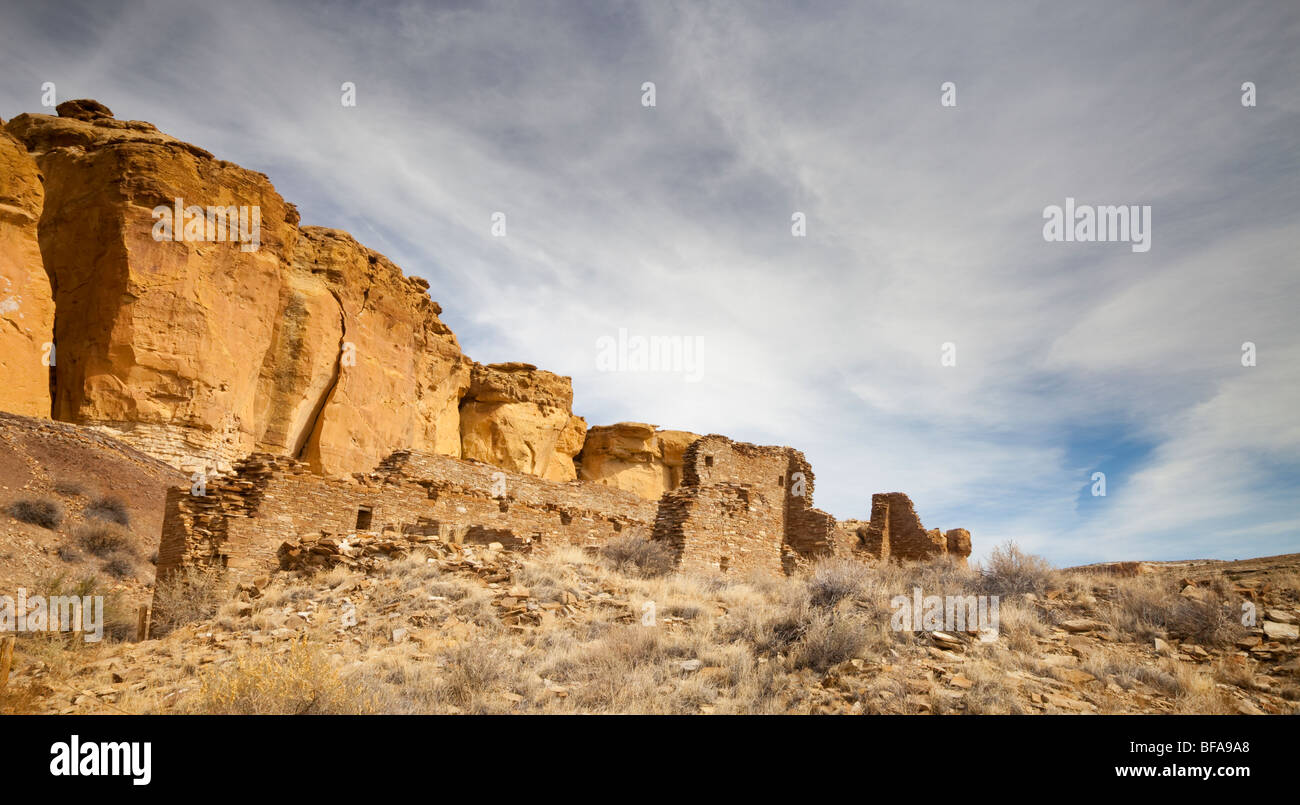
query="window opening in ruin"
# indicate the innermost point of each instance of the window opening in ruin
(617, 525)
(565, 518)
(364, 516)
(780, 481)
(503, 506)
(708, 461)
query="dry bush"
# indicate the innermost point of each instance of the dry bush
(829, 639)
(635, 556)
(772, 624)
(46, 512)
(108, 509)
(476, 675)
(1010, 571)
(833, 581)
(186, 596)
(118, 564)
(301, 681)
(101, 538)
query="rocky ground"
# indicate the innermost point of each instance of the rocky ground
(398, 627)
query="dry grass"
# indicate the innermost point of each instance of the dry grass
(817, 642)
(301, 681)
(185, 597)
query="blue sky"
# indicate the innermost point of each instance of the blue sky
(924, 224)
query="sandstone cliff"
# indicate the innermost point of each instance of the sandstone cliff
(398, 374)
(519, 417)
(200, 342)
(154, 337)
(26, 301)
(634, 456)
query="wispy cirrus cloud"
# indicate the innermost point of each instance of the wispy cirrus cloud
(924, 224)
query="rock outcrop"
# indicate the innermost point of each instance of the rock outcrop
(520, 418)
(204, 329)
(26, 301)
(634, 456)
(155, 336)
(396, 373)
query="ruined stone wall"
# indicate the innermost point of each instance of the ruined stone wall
(243, 518)
(895, 531)
(744, 507)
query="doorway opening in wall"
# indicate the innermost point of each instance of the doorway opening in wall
(364, 516)
(708, 461)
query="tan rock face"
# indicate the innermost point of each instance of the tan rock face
(520, 418)
(26, 301)
(635, 456)
(396, 374)
(158, 340)
(201, 343)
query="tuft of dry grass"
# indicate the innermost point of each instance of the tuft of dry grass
(186, 596)
(301, 681)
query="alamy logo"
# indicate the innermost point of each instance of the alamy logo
(1109, 224)
(91, 759)
(953, 613)
(656, 353)
(235, 224)
(55, 613)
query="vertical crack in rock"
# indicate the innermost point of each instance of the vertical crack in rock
(313, 423)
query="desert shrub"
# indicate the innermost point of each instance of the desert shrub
(102, 538)
(833, 581)
(636, 556)
(119, 565)
(1209, 622)
(829, 638)
(186, 596)
(109, 509)
(45, 513)
(1010, 571)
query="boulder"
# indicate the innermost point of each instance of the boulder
(518, 417)
(634, 456)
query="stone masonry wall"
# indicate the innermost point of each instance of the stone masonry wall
(895, 531)
(242, 519)
(743, 507)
